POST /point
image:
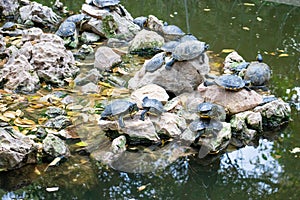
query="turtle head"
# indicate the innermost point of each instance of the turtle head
(206, 47)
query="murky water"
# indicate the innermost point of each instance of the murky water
(265, 170)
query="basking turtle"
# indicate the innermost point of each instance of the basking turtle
(211, 111)
(9, 26)
(119, 109)
(155, 62)
(172, 32)
(186, 51)
(238, 67)
(258, 73)
(105, 3)
(229, 82)
(205, 128)
(78, 18)
(170, 46)
(66, 29)
(140, 21)
(152, 106)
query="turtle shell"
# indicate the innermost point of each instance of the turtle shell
(8, 26)
(170, 46)
(155, 106)
(77, 18)
(105, 3)
(258, 73)
(210, 110)
(66, 29)
(119, 108)
(155, 62)
(189, 50)
(172, 32)
(230, 82)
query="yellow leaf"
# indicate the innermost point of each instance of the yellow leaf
(283, 55)
(206, 9)
(37, 171)
(227, 50)
(4, 118)
(42, 120)
(107, 92)
(259, 19)
(246, 28)
(23, 122)
(81, 144)
(19, 113)
(10, 114)
(36, 106)
(249, 4)
(105, 84)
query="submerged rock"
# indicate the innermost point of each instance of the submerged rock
(16, 149)
(55, 147)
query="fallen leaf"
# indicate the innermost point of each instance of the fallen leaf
(249, 4)
(283, 55)
(259, 19)
(246, 28)
(295, 150)
(141, 188)
(10, 114)
(81, 144)
(52, 189)
(227, 50)
(37, 171)
(206, 9)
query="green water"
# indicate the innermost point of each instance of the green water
(265, 170)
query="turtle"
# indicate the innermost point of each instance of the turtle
(238, 67)
(229, 82)
(66, 29)
(186, 51)
(118, 110)
(105, 3)
(155, 62)
(258, 73)
(170, 46)
(211, 111)
(140, 21)
(152, 106)
(9, 26)
(172, 32)
(78, 18)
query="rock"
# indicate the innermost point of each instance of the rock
(154, 24)
(152, 91)
(92, 76)
(146, 41)
(105, 58)
(184, 76)
(245, 126)
(274, 113)
(90, 88)
(55, 147)
(169, 123)
(59, 122)
(54, 112)
(18, 75)
(233, 101)
(138, 131)
(116, 43)
(16, 149)
(212, 145)
(94, 11)
(119, 144)
(2, 44)
(87, 37)
(231, 58)
(39, 14)
(9, 7)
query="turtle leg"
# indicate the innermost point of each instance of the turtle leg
(170, 64)
(121, 122)
(143, 114)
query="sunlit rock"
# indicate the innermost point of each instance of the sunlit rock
(231, 59)
(274, 113)
(105, 58)
(90, 88)
(59, 122)
(9, 7)
(154, 24)
(233, 101)
(39, 14)
(55, 147)
(184, 76)
(92, 76)
(146, 41)
(16, 149)
(152, 91)
(119, 144)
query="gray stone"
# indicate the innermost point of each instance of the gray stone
(90, 88)
(9, 7)
(183, 77)
(105, 58)
(233, 101)
(152, 91)
(146, 40)
(16, 150)
(55, 147)
(54, 112)
(274, 113)
(87, 37)
(119, 144)
(92, 76)
(154, 24)
(59, 122)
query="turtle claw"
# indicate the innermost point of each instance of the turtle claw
(121, 122)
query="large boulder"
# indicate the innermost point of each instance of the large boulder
(233, 101)
(184, 76)
(16, 150)
(55, 147)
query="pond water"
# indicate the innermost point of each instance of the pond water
(267, 169)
